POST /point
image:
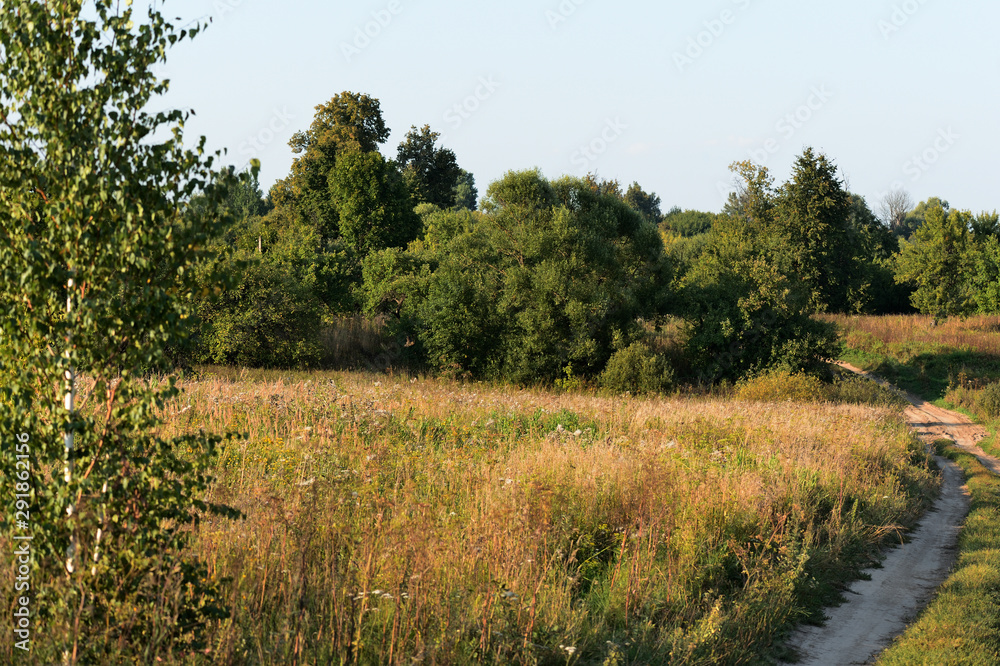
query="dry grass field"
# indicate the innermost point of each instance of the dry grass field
(398, 520)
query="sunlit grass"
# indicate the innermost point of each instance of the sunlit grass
(409, 520)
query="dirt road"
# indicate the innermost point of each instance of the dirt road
(878, 610)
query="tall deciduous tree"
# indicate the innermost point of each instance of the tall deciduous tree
(375, 209)
(96, 275)
(349, 122)
(647, 203)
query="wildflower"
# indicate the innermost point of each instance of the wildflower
(568, 648)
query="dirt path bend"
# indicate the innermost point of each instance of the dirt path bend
(878, 610)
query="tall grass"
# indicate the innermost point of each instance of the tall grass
(908, 335)
(395, 520)
(402, 520)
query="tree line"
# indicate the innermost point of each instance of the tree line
(572, 278)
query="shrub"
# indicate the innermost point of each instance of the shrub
(860, 391)
(782, 386)
(636, 369)
(988, 401)
(538, 283)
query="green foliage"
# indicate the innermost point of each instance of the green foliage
(915, 218)
(636, 369)
(744, 314)
(873, 288)
(813, 213)
(96, 267)
(542, 280)
(684, 251)
(934, 260)
(441, 226)
(647, 203)
(374, 209)
(349, 122)
(466, 194)
(688, 222)
(982, 262)
(983, 402)
(431, 174)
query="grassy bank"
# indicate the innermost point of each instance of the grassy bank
(962, 624)
(398, 520)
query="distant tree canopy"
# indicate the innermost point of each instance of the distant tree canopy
(688, 222)
(648, 204)
(553, 278)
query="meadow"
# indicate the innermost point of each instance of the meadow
(394, 519)
(955, 363)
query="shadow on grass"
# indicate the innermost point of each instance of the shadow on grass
(929, 374)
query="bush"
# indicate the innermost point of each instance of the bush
(782, 386)
(857, 390)
(636, 369)
(535, 288)
(983, 402)
(988, 401)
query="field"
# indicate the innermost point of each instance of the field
(955, 363)
(918, 355)
(409, 520)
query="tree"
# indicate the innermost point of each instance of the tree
(646, 203)
(349, 122)
(546, 280)
(892, 210)
(375, 209)
(245, 198)
(915, 218)
(934, 261)
(466, 194)
(431, 173)
(688, 223)
(96, 270)
(745, 298)
(985, 274)
(874, 246)
(813, 212)
(986, 224)
(745, 309)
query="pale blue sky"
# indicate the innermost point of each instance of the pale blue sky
(666, 94)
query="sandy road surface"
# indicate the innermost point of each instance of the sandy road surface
(878, 610)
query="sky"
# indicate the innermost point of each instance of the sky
(900, 94)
